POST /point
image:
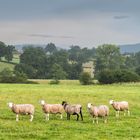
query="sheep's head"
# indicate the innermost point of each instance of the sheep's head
(10, 104)
(64, 102)
(111, 102)
(42, 102)
(89, 105)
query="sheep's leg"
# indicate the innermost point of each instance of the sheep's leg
(117, 114)
(81, 115)
(67, 116)
(17, 117)
(105, 119)
(47, 117)
(97, 120)
(124, 113)
(61, 116)
(128, 113)
(31, 119)
(93, 120)
(77, 117)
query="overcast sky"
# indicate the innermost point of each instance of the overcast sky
(86, 23)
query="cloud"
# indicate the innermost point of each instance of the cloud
(51, 36)
(121, 17)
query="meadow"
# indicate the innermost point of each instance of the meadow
(124, 128)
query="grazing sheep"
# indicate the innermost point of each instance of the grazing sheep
(120, 106)
(23, 109)
(98, 111)
(72, 110)
(51, 109)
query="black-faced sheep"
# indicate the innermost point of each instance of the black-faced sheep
(98, 111)
(120, 106)
(72, 110)
(23, 109)
(51, 109)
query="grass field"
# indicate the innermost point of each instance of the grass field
(125, 128)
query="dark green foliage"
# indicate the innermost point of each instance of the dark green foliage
(28, 69)
(117, 76)
(2, 49)
(138, 70)
(50, 48)
(6, 51)
(85, 79)
(9, 52)
(108, 57)
(8, 76)
(57, 72)
(54, 82)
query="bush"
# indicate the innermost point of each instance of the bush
(117, 76)
(54, 82)
(8, 76)
(85, 79)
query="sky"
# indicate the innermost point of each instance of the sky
(87, 23)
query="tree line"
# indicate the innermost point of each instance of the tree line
(57, 63)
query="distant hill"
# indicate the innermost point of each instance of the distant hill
(130, 48)
(20, 46)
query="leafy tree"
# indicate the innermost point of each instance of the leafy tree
(27, 69)
(35, 58)
(138, 70)
(137, 58)
(9, 52)
(2, 49)
(85, 79)
(57, 72)
(108, 57)
(51, 48)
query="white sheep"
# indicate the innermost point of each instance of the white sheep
(52, 109)
(23, 109)
(120, 106)
(98, 111)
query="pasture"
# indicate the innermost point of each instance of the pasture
(124, 128)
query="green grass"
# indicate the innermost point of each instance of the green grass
(4, 65)
(125, 128)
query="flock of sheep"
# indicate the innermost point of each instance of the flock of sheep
(95, 111)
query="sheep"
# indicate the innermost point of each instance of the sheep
(52, 109)
(98, 111)
(120, 106)
(72, 110)
(23, 109)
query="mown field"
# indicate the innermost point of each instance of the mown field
(125, 128)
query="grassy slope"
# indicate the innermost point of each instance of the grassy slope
(6, 65)
(125, 128)
(11, 66)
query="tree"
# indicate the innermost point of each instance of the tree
(51, 48)
(9, 53)
(108, 57)
(138, 70)
(57, 72)
(2, 49)
(85, 79)
(27, 69)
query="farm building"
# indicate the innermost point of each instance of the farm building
(89, 67)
